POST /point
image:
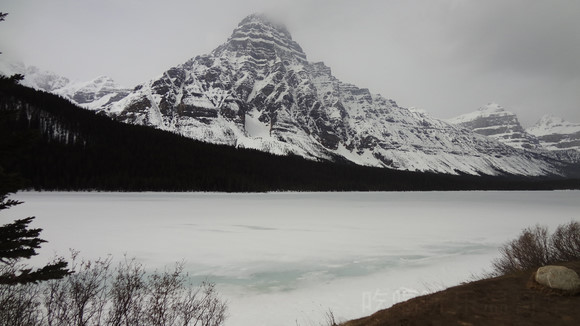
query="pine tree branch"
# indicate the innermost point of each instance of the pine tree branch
(18, 242)
(56, 270)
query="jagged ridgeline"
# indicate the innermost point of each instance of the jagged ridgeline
(258, 90)
(551, 136)
(494, 121)
(57, 145)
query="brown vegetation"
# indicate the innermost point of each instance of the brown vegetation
(535, 247)
(512, 299)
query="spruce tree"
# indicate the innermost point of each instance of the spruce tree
(19, 242)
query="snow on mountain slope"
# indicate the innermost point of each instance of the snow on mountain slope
(34, 77)
(92, 94)
(556, 133)
(494, 121)
(257, 90)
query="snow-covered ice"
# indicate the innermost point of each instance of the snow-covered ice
(287, 258)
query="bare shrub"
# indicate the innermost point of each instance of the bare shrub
(531, 249)
(163, 297)
(203, 307)
(127, 294)
(330, 320)
(535, 247)
(80, 298)
(99, 294)
(19, 306)
(55, 300)
(565, 242)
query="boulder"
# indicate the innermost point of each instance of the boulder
(558, 277)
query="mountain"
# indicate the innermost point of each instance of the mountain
(56, 145)
(556, 133)
(258, 90)
(494, 121)
(34, 77)
(91, 94)
(551, 137)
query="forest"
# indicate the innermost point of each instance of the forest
(55, 145)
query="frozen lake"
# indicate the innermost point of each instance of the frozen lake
(287, 258)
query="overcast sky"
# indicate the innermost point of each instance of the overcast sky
(447, 57)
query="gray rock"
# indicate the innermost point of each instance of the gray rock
(558, 277)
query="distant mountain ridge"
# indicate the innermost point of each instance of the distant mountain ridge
(259, 91)
(555, 133)
(34, 77)
(561, 138)
(91, 94)
(494, 121)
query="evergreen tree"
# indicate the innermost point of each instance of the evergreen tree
(18, 242)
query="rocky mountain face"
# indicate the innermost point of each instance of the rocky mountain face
(555, 133)
(258, 90)
(494, 121)
(551, 136)
(92, 94)
(95, 93)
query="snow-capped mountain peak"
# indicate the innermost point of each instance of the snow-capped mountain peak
(261, 39)
(492, 107)
(556, 133)
(95, 93)
(484, 112)
(494, 121)
(91, 94)
(34, 77)
(550, 124)
(257, 90)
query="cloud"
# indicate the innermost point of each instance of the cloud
(527, 37)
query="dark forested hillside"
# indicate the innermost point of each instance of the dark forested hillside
(56, 145)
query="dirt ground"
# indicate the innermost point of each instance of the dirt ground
(506, 300)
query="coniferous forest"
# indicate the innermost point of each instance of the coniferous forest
(56, 145)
